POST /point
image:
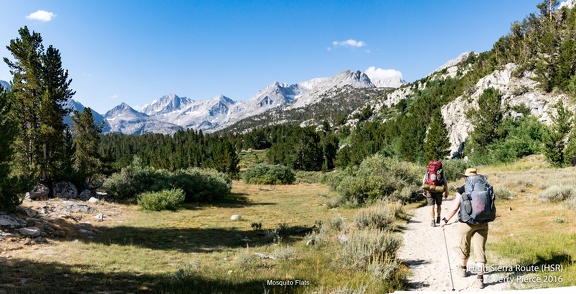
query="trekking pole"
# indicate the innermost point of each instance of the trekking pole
(449, 268)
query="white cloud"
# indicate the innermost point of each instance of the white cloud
(349, 43)
(114, 96)
(41, 15)
(382, 74)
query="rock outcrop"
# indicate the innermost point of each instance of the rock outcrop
(515, 91)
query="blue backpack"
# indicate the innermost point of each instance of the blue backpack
(477, 202)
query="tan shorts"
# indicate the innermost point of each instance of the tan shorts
(475, 235)
(434, 198)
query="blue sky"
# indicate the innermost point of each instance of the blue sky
(139, 50)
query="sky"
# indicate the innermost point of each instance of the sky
(136, 51)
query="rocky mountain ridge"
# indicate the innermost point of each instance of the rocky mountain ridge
(171, 112)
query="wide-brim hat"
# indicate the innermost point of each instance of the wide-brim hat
(470, 172)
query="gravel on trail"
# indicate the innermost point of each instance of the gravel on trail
(424, 252)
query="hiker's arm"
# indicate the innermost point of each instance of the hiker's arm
(453, 209)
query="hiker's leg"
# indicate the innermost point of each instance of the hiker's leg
(464, 235)
(479, 237)
(463, 248)
(479, 244)
(432, 203)
(438, 212)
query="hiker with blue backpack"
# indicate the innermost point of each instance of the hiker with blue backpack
(474, 203)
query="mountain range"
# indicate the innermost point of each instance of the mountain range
(171, 112)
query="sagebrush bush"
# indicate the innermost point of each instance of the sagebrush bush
(571, 203)
(163, 200)
(283, 252)
(503, 193)
(247, 260)
(369, 247)
(379, 177)
(268, 174)
(337, 223)
(557, 193)
(309, 177)
(377, 216)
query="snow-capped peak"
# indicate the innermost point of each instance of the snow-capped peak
(166, 104)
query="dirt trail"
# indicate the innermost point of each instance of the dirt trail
(424, 251)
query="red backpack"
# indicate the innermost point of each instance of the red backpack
(434, 175)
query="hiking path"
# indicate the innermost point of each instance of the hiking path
(424, 252)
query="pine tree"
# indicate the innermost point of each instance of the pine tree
(557, 136)
(41, 89)
(8, 197)
(225, 158)
(411, 138)
(436, 143)
(487, 119)
(86, 140)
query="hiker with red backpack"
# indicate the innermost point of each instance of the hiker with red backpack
(435, 186)
(475, 206)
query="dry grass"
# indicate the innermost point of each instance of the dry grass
(198, 249)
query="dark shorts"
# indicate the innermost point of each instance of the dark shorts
(435, 198)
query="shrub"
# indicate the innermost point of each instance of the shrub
(376, 216)
(309, 177)
(132, 180)
(163, 200)
(503, 193)
(379, 177)
(269, 175)
(337, 223)
(247, 260)
(571, 203)
(283, 252)
(333, 179)
(368, 248)
(557, 193)
(201, 185)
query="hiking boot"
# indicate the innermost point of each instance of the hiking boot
(433, 223)
(478, 284)
(461, 271)
(437, 219)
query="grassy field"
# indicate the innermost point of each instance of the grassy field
(201, 250)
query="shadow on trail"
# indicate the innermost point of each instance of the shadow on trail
(24, 276)
(415, 262)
